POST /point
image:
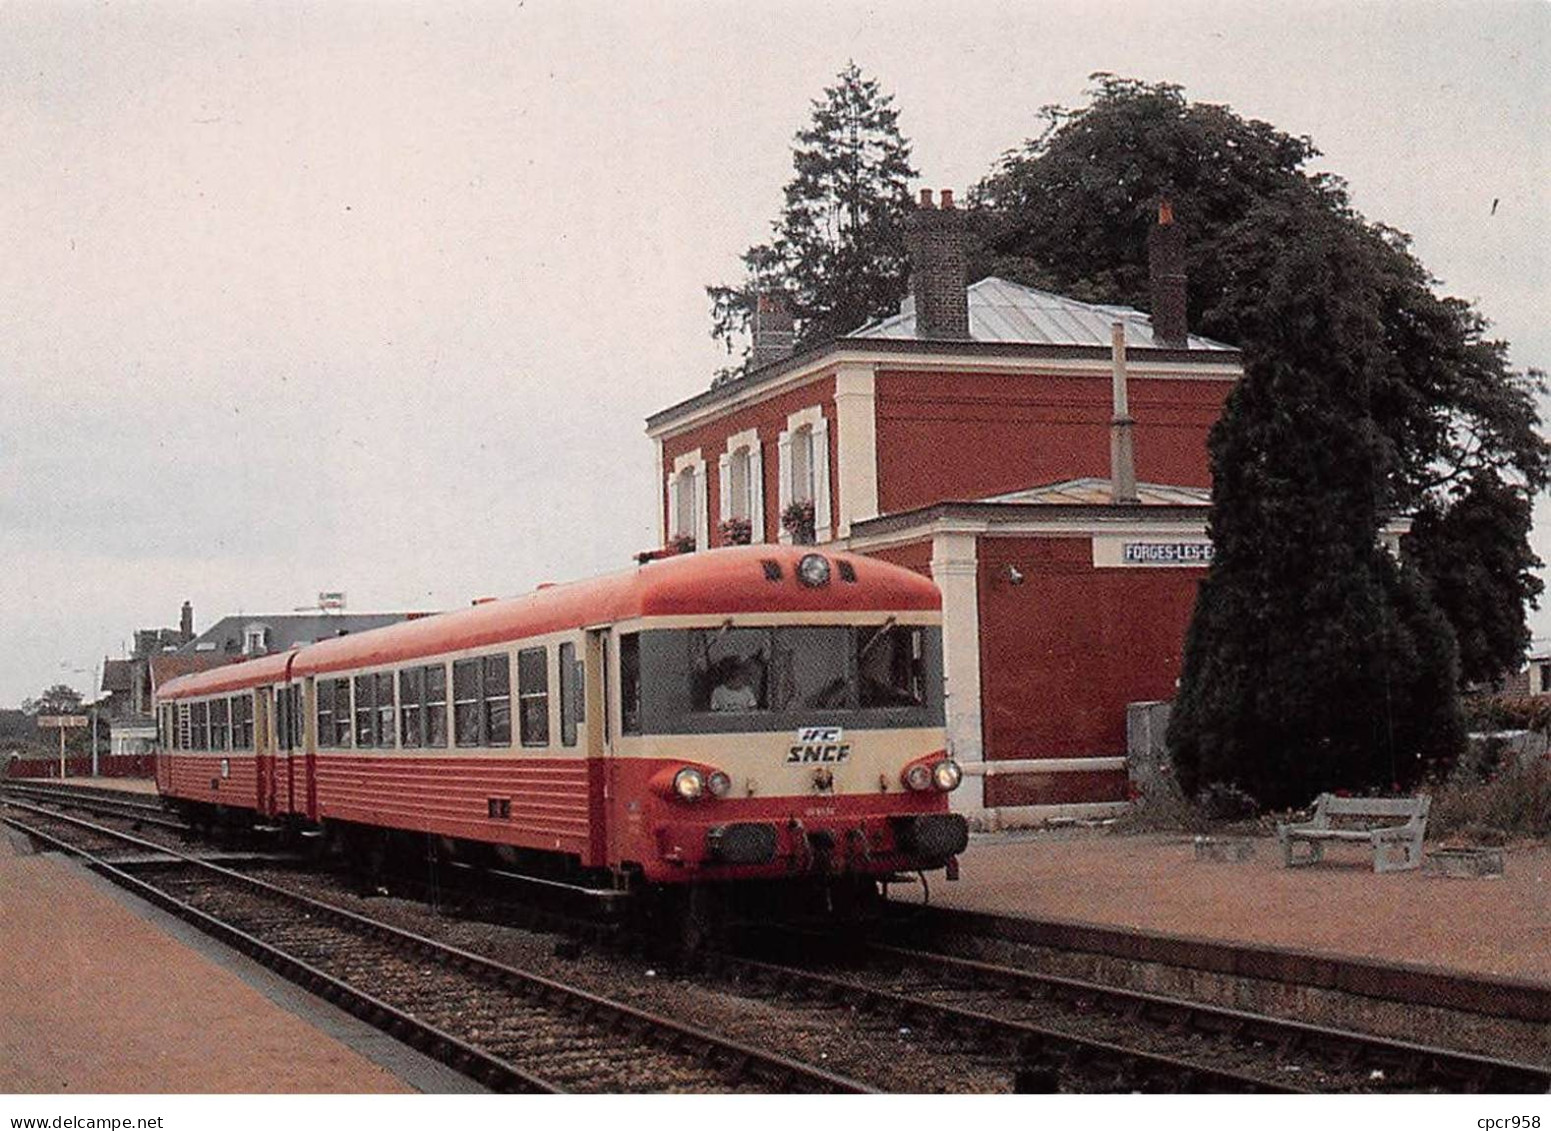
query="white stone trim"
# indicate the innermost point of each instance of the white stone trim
(702, 509)
(663, 506)
(1045, 766)
(692, 462)
(723, 487)
(783, 485)
(757, 492)
(1027, 816)
(955, 569)
(956, 363)
(856, 430)
(814, 420)
(749, 438)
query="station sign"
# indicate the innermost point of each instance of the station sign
(66, 721)
(1114, 551)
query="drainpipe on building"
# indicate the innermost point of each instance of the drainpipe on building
(1122, 455)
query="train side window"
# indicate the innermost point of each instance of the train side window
(436, 705)
(283, 718)
(342, 726)
(630, 683)
(571, 685)
(411, 711)
(891, 666)
(465, 702)
(242, 722)
(498, 700)
(325, 712)
(199, 726)
(533, 695)
(384, 727)
(183, 734)
(365, 710)
(220, 714)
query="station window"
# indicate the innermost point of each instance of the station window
(199, 726)
(533, 695)
(572, 702)
(242, 722)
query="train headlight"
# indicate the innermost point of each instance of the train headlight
(946, 776)
(718, 784)
(919, 777)
(813, 570)
(689, 783)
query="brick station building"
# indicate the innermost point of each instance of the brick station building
(1043, 459)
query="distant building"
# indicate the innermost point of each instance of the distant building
(244, 636)
(1043, 459)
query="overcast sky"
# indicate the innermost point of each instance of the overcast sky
(375, 297)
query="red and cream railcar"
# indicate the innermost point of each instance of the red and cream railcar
(753, 712)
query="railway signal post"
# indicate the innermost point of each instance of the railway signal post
(62, 723)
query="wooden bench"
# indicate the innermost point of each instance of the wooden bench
(1391, 825)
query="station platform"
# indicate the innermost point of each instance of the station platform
(122, 785)
(1497, 927)
(101, 993)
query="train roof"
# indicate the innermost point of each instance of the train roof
(723, 582)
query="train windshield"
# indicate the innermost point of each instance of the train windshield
(740, 679)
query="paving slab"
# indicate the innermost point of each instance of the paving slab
(96, 998)
(1495, 926)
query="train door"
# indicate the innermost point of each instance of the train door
(285, 746)
(264, 748)
(599, 732)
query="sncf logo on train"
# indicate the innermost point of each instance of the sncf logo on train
(819, 744)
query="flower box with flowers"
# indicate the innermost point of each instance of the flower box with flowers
(736, 531)
(797, 519)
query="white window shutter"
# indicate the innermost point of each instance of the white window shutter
(724, 486)
(671, 501)
(821, 481)
(702, 517)
(757, 491)
(784, 454)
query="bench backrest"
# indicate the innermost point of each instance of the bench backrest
(1410, 810)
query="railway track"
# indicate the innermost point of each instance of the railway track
(954, 990)
(116, 803)
(505, 1027)
(1013, 1028)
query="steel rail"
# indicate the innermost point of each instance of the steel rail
(738, 1059)
(1039, 1050)
(116, 805)
(1418, 1065)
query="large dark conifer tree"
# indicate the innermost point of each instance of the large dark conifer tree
(1316, 660)
(838, 247)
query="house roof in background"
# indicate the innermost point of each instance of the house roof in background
(1007, 312)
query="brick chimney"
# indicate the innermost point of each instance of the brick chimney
(186, 622)
(1166, 274)
(773, 326)
(939, 265)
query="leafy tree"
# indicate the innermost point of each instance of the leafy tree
(1365, 394)
(60, 699)
(1475, 552)
(838, 247)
